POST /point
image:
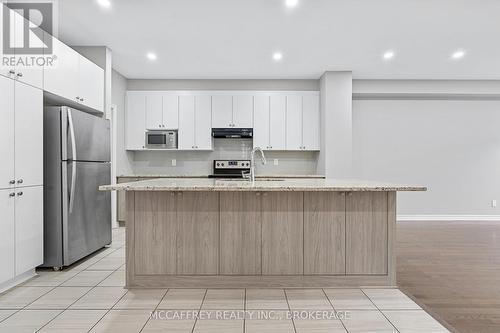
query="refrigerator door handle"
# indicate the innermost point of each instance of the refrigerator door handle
(73, 164)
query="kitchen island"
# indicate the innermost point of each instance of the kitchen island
(209, 233)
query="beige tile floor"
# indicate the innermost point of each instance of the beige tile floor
(89, 297)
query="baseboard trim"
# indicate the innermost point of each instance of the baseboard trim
(403, 218)
(17, 280)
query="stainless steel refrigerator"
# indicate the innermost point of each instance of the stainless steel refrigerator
(77, 216)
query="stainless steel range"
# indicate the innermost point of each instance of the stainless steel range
(230, 168)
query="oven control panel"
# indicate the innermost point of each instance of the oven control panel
(231, 164)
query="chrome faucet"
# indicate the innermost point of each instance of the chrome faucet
(251, 175)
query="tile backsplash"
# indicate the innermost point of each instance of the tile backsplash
(200, 162)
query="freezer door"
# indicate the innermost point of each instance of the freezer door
(87, 136)
(87, 227)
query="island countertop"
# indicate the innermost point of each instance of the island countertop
(310, 184)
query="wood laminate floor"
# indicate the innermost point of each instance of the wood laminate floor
(453, 270)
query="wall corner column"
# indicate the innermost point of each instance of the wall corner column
(335, 157)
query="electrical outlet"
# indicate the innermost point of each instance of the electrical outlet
(493, 203)
(174, 162)
(276, 162)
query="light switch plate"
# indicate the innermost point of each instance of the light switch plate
(276, 162)
(174, 162)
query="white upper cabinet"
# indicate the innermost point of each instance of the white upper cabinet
(277, 119)
(74, 77)
(294, 122)
(186, 136)
(243, 111)
(162, 111)
(302, 122)
(203, 122)
(32, 75)
(222, 111)
(269, 122)
(311, 122)
(28, 135)
(90, 84)
(232, 111)
(261, 122)
(154, 111)
(280, 120)
(195, 122)
(170, 114)
(61, 79)
(135, 121)
(7, 175)
(29, 228)
(7, 234)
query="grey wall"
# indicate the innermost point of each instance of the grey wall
(453, 147)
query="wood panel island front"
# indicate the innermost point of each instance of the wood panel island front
(206, 233)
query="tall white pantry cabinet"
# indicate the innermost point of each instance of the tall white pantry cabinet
(21, 180)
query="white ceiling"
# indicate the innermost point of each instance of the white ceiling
(236, 38)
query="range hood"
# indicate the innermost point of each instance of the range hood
(232, 133)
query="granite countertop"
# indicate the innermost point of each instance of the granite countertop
(206, 176)
(292, 184)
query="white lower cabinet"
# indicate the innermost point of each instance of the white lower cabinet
(21, 231)
(29, 228)
(7, 235)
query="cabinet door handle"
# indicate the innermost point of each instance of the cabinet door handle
(12, 194)
(20, 181)
(81, 99)
(19, 74)
(12, 182)
(19, 193)
(12, 72)
(77, 98)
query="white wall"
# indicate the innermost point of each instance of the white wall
(199, 163)
(451, 146)
(335, 157)
(123, 158)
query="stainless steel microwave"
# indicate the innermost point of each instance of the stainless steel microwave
(161, 139)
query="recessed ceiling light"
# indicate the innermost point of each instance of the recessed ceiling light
(104, 3)
(388, 55)
(458, 54)
(151, 56)
(277, 56)
(291, 3)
